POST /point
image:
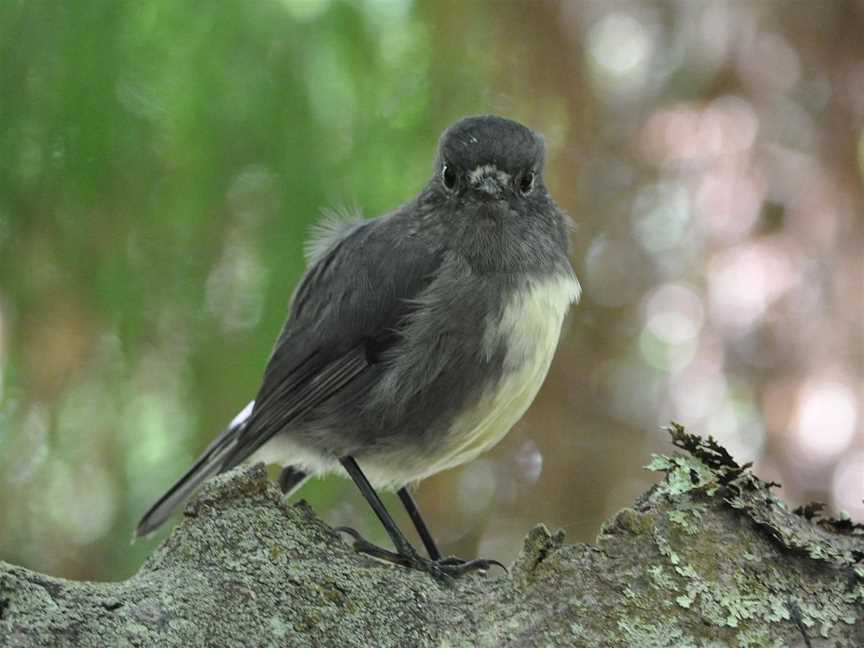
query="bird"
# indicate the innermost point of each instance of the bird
(414, 341)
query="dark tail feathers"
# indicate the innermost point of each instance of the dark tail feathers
(218, 457)
(210, 463)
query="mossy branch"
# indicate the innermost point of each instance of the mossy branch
(709, 557)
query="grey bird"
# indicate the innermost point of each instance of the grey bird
(414, 340)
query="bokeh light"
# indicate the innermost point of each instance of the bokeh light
(825, 421)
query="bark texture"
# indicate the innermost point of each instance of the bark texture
(706, 558)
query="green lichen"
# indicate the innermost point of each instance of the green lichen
(278, 627)
(758, 638)
(638, 632)
(683, 475)
(688, 516)
(743, 595)
(633, 522)
(664, 547)
(662, 579)
(746, 598)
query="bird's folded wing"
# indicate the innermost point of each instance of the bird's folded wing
(296, 394)
(348, 310)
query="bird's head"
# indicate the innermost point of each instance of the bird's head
(491, 161)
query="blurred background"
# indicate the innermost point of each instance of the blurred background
(161, 162)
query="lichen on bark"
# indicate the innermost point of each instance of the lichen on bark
(708, 557)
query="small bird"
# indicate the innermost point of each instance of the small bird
(415, 340)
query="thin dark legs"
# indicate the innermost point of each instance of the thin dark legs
(290, 478)
(405, 554)
(419, 523)
(396, 536)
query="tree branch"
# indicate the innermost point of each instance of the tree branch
(709, 557)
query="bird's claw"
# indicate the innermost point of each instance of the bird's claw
(478, 563)
(444, 569)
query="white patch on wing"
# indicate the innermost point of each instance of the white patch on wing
(242, 415)
(335, 224)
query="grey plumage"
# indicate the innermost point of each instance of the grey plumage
(416, 339)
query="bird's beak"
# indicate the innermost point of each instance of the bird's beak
(489, 185)
(487, 180)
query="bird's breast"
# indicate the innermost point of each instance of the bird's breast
(527, 331)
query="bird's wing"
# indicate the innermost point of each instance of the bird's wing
(345, 313)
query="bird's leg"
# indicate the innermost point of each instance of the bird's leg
(403, 547)
(426, 536)
(290, 478)
(419, 524)
(405, 554)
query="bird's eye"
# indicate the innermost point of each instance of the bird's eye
(449, 177)
(526, 182)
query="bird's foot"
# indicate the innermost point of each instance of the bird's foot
(443, 569)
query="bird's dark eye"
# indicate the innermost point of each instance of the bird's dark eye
(449, 177)
(526, 182)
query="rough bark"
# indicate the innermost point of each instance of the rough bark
(709, 557)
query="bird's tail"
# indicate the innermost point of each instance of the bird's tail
(211, 462)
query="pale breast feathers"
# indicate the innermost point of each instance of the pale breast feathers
(529, 329)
